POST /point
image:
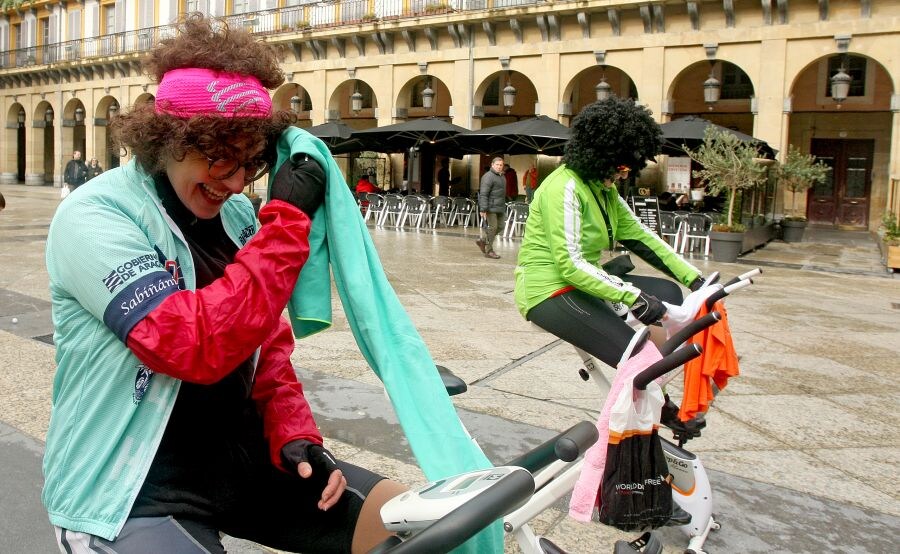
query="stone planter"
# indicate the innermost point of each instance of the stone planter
(892, 256)
(792, 230)
(725, 247)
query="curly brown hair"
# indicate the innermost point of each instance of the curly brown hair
(204, 43)
(608, 134)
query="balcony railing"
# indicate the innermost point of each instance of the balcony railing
(308, 17)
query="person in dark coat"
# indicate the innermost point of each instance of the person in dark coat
(75, 173)
(93, 169)
(491, 205)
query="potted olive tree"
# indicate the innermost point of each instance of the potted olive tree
(890, 240)
(728, 165)
(798, 173)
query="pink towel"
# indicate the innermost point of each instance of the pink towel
(586, 494)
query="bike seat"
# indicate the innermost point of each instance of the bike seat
(452, 383)
(548, 547)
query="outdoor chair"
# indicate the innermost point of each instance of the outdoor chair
(414, 211)
(696, 228)
(461, 211)
(374, 206)
(440, 210)
(392, 210)
(516, 216)
(670, 228)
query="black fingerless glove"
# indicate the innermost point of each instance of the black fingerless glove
(302, 450)
(697, 283)
(648, 309)
(301, 182)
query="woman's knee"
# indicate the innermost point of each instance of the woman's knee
(370, 529)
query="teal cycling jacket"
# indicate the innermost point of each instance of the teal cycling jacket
(112, 256)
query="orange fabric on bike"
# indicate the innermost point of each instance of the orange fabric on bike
(716, 364)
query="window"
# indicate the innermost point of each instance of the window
(241, 6)
(736, 84)
(855, 66)
(492, 94)
(109, 20)
(44, 26)
(415, 99)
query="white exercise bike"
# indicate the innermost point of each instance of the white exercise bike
(443, 514)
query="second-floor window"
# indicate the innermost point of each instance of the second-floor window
(109, 19)
(855, 66)
(241, 6)
(735, 83)
(44, 26)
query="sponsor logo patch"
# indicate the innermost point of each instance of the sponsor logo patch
(129, 270)
(246, 233)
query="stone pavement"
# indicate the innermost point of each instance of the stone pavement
(801, 449)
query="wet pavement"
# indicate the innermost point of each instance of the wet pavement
(801, 448)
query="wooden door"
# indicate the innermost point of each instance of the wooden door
(843, 198)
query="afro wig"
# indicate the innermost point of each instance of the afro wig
(608, 134)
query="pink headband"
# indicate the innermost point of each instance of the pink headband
(187, 92)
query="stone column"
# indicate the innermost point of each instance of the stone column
(893, 192)
(34, 159)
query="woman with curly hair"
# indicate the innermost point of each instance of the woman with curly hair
(575, 215)
(176, 412)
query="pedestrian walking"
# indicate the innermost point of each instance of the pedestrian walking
(530, 183)
(512, 183)
(491, 205)
(93, 169)
(75, 173)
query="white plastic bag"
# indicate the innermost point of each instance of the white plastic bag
(64, 191)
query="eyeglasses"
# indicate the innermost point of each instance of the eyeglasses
(223, 169)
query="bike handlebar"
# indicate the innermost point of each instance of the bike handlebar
(688, 331)
(666, 365)
(463, 523)
(567, 446)
(744, 276)
(726, 290)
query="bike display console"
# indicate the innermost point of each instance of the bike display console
(417, 509)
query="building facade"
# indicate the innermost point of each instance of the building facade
(817, 74)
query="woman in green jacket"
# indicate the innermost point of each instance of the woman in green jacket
(576, 214)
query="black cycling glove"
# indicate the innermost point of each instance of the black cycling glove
(295, 452)
(301, 182)
(697, 283)
(648, 309)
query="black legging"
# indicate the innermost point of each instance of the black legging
(588, 322)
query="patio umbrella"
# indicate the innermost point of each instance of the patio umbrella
(336, 135)
(538, 135)
(688, 131)
(401, 137)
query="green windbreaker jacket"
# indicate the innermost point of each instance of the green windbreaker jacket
(565, 237)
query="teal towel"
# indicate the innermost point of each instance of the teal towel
(340, 241)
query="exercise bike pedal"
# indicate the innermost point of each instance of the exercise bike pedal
(679, 516)
(648, 543)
